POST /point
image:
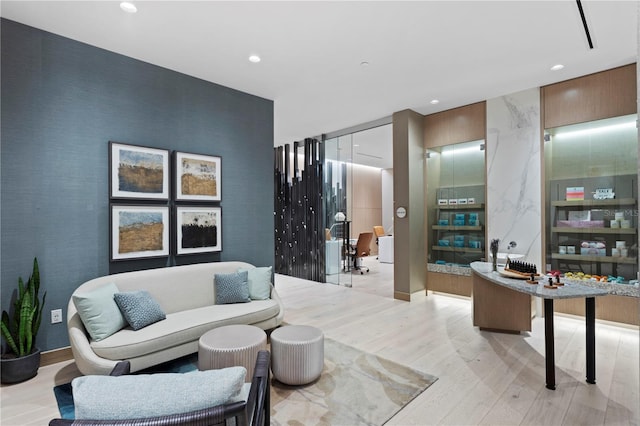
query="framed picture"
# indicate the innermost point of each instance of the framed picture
(198, 229)
(198, 177)
(138, 172)
(139, 231)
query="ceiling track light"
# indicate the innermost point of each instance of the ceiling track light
(584, 24)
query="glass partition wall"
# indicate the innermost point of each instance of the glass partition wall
(591, 177)
(338, 209)
(455, 181)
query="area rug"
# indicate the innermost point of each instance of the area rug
(355, 388)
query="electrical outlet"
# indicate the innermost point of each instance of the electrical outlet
(56, 316)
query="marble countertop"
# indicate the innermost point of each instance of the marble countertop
(449, 269)
(569, 291)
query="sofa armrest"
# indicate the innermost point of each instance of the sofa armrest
(275, 297)
(86, 359)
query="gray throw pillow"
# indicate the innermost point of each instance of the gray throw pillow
(99, 312)
(149, 395)
(231, 288)
(139, 308)
(259, 282)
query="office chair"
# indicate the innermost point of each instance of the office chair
(379, 232)
(361, 250)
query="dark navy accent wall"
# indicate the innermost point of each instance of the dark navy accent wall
(62, 102)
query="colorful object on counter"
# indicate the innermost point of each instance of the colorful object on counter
(599, 278)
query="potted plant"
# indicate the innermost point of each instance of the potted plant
(22, 360)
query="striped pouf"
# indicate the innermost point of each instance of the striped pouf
(297, 354)
(230, 346)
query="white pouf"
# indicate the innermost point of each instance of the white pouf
(230, 346)
(297, 354)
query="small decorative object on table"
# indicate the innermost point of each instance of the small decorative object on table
(494, 253)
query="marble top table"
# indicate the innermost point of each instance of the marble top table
(483, 270)
(570, 290)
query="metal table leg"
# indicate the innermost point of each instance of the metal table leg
(590, 319)
(550, 362)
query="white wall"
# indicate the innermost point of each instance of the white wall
(387, 199)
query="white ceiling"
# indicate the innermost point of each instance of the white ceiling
(459, 52)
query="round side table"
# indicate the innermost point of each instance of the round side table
(231, 345)
(297, 354)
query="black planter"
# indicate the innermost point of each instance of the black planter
(16, 370)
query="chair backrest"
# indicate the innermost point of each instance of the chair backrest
(253, 412)
(379, 231)
(363, 246)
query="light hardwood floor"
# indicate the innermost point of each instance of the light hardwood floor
(483, 378)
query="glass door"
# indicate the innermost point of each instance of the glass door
(338, 210)
(591, 172)
(456, 204)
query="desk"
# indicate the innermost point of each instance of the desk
(385, 249)
(494, 294)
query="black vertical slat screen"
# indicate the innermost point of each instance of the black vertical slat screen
(299, 206)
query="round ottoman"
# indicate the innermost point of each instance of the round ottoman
(230, 346)
(297, 354)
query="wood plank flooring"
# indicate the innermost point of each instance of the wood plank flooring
(483, 378)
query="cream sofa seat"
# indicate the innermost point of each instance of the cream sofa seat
(186, 294)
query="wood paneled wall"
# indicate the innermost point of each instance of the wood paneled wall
(606, 94)
(367, 202)
(463, 124)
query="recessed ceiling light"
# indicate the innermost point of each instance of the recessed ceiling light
(364, 63)
(557, 67)
(128, 7)
(254, 58)
(434, 102)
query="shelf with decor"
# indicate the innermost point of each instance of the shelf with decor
(458, 230)
(596, 236)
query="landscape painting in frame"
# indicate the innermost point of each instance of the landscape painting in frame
(139, 232)
(138, 172)
(198, 229)
(198, 177)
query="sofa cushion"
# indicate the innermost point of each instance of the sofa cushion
(139, 308)
(231, 288)
(259, 280)
(150, 395)
(182, 327)
(99, 312)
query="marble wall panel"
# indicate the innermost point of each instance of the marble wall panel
(513, 173)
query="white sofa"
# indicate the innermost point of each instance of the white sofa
(186, 294)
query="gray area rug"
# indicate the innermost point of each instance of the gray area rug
(355, 388)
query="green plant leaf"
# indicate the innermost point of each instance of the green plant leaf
(6, 332)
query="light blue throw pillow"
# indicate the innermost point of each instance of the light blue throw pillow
(150, 395)
(259, 282)
(139, 308)
(231, 288)
(99, 312)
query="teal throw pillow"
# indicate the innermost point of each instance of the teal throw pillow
(150, 395)
(231, 288)
(139, 308)
(259, 282)
(99, 312)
